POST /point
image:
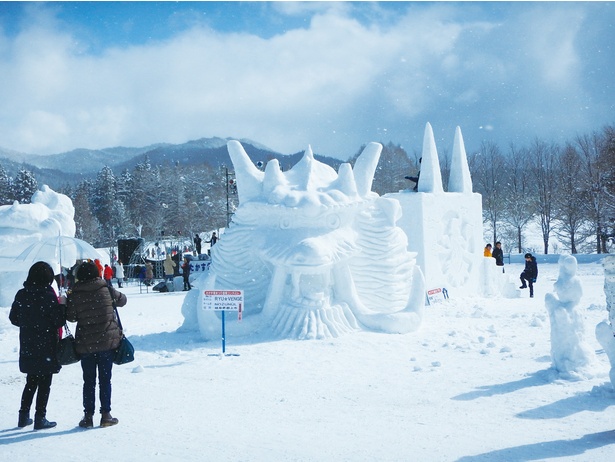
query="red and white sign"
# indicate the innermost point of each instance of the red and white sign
(437, 295)
(223, 300)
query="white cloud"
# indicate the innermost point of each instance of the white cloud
(309, 7)
(550, 42)
(38, 129)
(330, 84)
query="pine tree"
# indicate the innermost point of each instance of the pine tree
(146, 199)
(392, 168)
(123, 184)
(85, 221)
(24, 186)
(5, 187)
(120, 220)
(102, 200)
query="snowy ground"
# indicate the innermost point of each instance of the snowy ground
(474, 384)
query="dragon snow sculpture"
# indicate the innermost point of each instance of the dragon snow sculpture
(317, 253)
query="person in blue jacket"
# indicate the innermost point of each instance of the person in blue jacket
(39, 315)
(529, 274)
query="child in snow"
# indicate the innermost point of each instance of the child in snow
(529, 274)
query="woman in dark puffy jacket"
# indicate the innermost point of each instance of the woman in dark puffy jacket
(38, 314)
(97, 337)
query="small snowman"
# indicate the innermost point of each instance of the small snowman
(605, 329)
(569, 351)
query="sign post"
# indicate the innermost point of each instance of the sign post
(223, 300)
(437, 295)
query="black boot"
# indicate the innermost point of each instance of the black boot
(107, 420)
(24, 419)
(87, 421)
(41, 423)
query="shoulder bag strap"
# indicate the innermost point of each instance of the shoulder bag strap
(117, 314)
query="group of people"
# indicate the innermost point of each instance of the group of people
(108, 273)
(198, 242)
(40, 315)
(496, 253)
(528, 276)
(169, 270)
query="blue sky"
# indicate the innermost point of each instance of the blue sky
(289, 74)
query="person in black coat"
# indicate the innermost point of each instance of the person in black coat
(197, 243)
(39, 315)
(530, 273)
(186, 273)
(213, 239)
(498, 254)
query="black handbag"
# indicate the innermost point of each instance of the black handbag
(66, 349)
(125, 352)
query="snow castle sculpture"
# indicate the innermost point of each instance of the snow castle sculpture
(316, 252)
(605, 331)
(445, 229)
(570, 352)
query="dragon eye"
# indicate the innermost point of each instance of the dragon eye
(333, 221)
(285, 223)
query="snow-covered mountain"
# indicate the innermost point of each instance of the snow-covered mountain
(88, 160)
(11, 155)
(70, 167)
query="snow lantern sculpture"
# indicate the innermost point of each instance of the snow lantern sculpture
(316, 252)
(570, 352)
(445, 229)
(605, 331)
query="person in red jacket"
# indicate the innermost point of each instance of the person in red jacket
(99, 266)
(108, 275)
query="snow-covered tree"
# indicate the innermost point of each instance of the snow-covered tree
(120, 221)
(490, 181)
(86, 223)
(608, 162)
(24, 186)
(123, 185)
(569, 202)
(595, 181)
(146, 199)
(392, 167)
(6, 185)
(516, 205)
(543, 161)
(102, 200)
